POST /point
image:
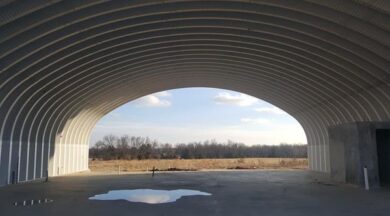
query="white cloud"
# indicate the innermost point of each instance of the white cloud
(162, 94)
(154, 100)
(255, 120)
(272, 110)
(235, 99)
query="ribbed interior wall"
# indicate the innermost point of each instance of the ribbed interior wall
(65, 64)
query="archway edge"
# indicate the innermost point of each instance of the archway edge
(64, 64)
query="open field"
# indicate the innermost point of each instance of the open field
(197, 164)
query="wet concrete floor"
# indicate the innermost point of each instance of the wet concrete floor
(254, 192)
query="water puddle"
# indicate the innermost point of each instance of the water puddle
(148, 196)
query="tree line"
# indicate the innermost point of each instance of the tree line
(137, 148)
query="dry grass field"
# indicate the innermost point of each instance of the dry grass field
(197, 164)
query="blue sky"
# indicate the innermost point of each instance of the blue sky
(198, 114)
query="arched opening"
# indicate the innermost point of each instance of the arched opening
(216, 123)
(62, 155)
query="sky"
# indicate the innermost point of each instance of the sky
(199, 114)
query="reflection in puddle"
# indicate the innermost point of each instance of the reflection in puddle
(147, 195)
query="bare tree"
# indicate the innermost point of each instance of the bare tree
(125, 147)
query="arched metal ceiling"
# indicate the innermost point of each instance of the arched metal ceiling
(65, 64)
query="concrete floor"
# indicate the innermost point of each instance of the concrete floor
(234, 193)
